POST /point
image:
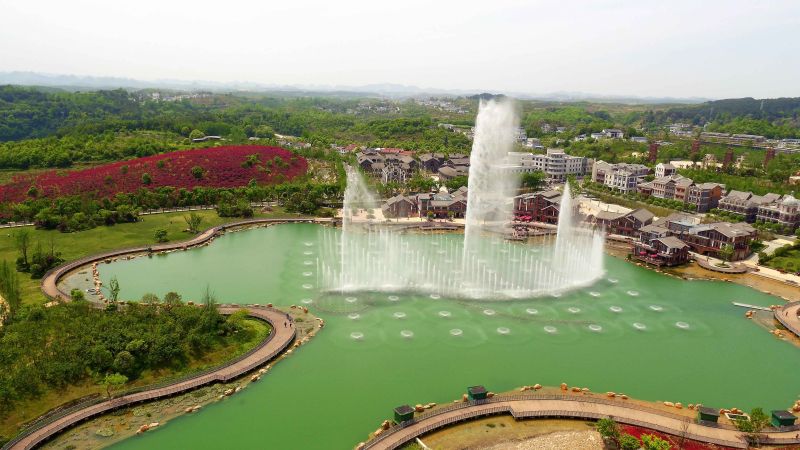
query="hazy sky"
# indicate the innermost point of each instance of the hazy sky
(705, 48)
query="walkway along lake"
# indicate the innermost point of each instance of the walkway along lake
(639, 332)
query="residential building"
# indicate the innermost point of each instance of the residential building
(449, 172)
(555, 163)
(621, 177)
(711, 238)
(662, 251)
(665, 170)
(639, 139)
(613, 133)
(533, 143)
(399, 206)
(625, 224)
(540, 206)
(597, 136)
(703, 196)
(443, 204)
(746, 204)
(785, 212)
(521, 135)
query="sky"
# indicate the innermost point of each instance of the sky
(676, 48)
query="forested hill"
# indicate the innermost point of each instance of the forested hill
(773, 118)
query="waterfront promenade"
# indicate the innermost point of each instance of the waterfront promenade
(534, 405)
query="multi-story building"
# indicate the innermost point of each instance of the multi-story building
(711, 238)
(703, 196)
(785, 212)
(664, 170)
(621, 177)
(540, 206)
(746, 204)
(555, 163)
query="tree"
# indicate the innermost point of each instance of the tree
(726, 252)
(653, 442)
(533, 180)
(197, 172)
(456, 182)
(9, 290)
(196, 134)
(172, 299)
(752, 428)
(77, 295)
(146, 178)
(628, 442)
(150, 298)
(114, 381)
(160, 235)
(609, 430)
(113, 290)
(193, 221)
(22, 240)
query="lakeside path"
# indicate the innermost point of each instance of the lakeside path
(276, 342)
(527, 406)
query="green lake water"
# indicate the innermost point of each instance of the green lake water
(331, 393)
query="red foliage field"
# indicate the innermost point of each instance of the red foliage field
(674, 440)
(221, 167)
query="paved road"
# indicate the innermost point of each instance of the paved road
(568, 406)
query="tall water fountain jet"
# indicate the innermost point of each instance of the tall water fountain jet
(482, 265)
(491, 188)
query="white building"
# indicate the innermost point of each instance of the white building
(621, 177)
(613, 133)
(664, 170)
(555, 163)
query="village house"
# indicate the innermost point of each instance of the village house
(662, 251)
(399, 206)
(613, 133)
(624, 224)
(443, 204)
(540, 206)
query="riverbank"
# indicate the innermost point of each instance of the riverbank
(693, 271)
(124, 423)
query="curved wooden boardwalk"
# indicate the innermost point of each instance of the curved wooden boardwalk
(278, 340)
(787, 316)
(51, 278)
(524, 406)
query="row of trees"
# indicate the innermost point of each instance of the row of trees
(75, 213)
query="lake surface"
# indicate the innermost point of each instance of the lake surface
(636, 331)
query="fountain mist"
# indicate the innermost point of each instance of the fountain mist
(481, 265)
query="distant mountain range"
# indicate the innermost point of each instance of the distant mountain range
(75, 82)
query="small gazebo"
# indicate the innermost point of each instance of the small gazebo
(476, 392)
(403, 413)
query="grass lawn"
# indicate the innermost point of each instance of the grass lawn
(103, 238)
(27, 411)
(789, 262)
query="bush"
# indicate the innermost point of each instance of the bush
(628, 442)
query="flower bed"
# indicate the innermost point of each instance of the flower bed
(220, 167)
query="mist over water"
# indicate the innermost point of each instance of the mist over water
(481, 266)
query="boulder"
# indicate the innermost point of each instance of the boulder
(670, 404)
(228, 392)
(489, 394)
(563, 386)
(576, 389)
(623, 396)
(679, 405)
(537, 386)
(611, 394)
(385, 424)
(464, 397)
(360, 446)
